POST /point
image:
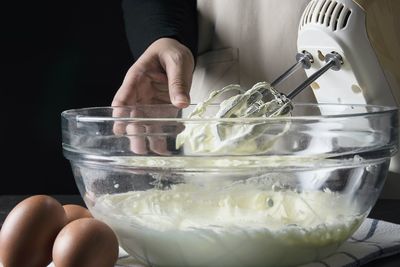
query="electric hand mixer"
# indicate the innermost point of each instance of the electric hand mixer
(366, 33)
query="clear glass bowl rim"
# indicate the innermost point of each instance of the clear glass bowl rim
(373, 110)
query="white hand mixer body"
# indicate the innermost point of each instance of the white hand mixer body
(366, 33)
(361, 38)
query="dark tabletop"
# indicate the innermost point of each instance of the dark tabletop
(385, 209)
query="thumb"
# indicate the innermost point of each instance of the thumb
(179, 69)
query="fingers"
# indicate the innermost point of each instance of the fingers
(125, 96)
(119, 127)
(163, 74)
(145, 136)
(178, 64)
(165, 62)
(157, 141)
(137, 87)
(136, 134)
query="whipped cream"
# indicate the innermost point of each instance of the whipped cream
(241, 224)
(240, 137)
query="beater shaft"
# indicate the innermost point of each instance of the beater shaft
(303, 59)
(333, 61)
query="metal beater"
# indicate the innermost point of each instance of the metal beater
(263, 100)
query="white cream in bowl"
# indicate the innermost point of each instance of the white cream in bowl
(240, 224)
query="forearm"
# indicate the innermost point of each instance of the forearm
(149, 20)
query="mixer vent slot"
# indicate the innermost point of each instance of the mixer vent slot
(328, 13)
(347, 14)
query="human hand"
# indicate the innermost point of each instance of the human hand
(163, 74)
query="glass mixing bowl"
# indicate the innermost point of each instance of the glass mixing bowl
(264, 192)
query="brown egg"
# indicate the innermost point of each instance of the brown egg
(28, 232)
(85, 242)
(75, 212)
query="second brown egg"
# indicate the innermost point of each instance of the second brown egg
(75, 212)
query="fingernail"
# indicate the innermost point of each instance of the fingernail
(181, 99)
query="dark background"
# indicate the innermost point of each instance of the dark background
(55, 55)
